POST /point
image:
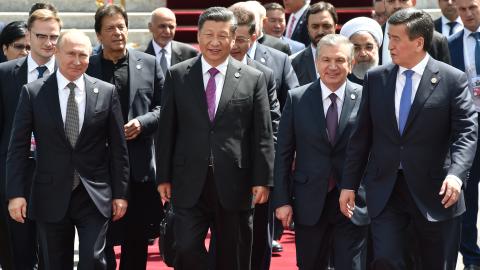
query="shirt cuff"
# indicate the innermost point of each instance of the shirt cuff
(460, 182)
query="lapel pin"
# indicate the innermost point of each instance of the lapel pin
(353, 97)
(434, 80)
(138, 66)
(237, 75)
(95, 90)
(262, 60)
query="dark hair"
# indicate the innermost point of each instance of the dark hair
(245, 18)
(12, 32)
(274, 6)
(108, 10)
(417, 22)
(42, 5)
(320, 7)
(217, 14)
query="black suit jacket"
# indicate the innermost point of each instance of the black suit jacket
(304, 66)
(146, 83)
(455, 44)
(272, 94)
(438, 25)
(285, 77)
(275, 43)
(303, 136)
(239, 140)
(439, 139)
(300, 33)
(180, 51)
(438, 50)
(99, 156)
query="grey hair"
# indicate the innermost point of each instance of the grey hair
(336, 40)
(77, 34)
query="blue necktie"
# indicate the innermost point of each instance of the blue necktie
(41, 70)
(476, 36)
(405, 101)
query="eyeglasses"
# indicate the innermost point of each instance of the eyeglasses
(241, 40)
(43, 38)
(20, 47)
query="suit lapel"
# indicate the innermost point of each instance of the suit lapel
(176, 54)
(135, 67)
(310, 64)
(21, 73)
(232, 78)
(391, 79)
(90, 104)
(194, 78)
(316, 106)
(261, 55)
(54, 106)
(427, 84)
(349, 101)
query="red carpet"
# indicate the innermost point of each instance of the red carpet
(281, 261)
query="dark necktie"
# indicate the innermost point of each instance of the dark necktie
(41, 70)
(405, 100)
(211, 92)
(163, 61)
(72, 125)
(452, 26)
(332, 126)
(476, 36)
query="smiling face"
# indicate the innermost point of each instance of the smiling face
(162, 26)
(333, 65)
(113, 33)
(274, 23)
(243, 42)
(215, 41)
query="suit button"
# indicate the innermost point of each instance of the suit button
(401, 147)
(212, 132)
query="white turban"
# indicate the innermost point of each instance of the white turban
(363, 24)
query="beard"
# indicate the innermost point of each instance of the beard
(361, 68)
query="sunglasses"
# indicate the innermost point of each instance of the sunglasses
(21, 47)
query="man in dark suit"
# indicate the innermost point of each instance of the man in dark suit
(417, 130)
(449, 23)
(315, 126)
(321, 19)
(274, 25)
(439, 48)
(138, 80)
(43, 30)
(465, 55)
(215, 148)
(245, 37)
(81, 170)
(168, 52)
(297, 22)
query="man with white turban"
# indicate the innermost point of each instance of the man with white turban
(366, 36)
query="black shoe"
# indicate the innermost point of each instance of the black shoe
(472, 267)
(276, 246)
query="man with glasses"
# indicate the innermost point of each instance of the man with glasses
(43, 31)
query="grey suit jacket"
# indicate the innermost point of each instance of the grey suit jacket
(303, 136)
(99, 156)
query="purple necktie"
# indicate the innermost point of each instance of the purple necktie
(332, 125)
(210, 93)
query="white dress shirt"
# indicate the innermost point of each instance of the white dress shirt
(297, 16)
(219, 78)
(469, 44)
(158, 53)
(340, 92)
(446, 29)
(32, 68)
(386, 57)
(80, 97)
(252, 50)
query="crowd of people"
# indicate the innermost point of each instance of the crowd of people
(363, 142)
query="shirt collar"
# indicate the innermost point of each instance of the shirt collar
(340, 92)
(32, 65)
(445, 20)
(62, 82)
(466, 32)
(299, 13)
(157, 48)
(252, 50)
(222, 67)
(419, 68)
(244, 60)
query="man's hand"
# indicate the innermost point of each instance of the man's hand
(285, 215)
(119, 208)
(260, 194)
(132, 129)
(165, 190)
(451, 189)
(17, 207)
(347, 202)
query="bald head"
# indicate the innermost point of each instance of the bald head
(162, 25)
(74, 36)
